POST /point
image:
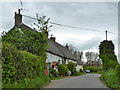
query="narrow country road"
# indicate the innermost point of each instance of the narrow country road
(83, 81)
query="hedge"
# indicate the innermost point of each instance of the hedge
(18, 65)
(93, 68)
(118, 72)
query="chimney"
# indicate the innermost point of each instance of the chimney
(18, 19)
(52, 38)
(66, 45)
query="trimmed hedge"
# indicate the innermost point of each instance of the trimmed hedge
(93, 68)
(18, 65)
(63, 70)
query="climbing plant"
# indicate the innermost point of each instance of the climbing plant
(107, 54)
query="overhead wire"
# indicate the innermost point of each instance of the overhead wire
(9, 23)
(65, 25)
(58, 24)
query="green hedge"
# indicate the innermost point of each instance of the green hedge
(118, 72)
(63, 70)
(94, 69)
(18, 65)
(35, 83)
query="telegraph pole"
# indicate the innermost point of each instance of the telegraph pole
(106, 34)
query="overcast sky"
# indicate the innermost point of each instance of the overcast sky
(99, 16)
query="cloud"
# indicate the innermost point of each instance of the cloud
(91, 15)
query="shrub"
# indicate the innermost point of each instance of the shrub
(118, 72)
(71, 66)
(53, 73)
(93, 68)
(18, 65)
(63, 70)
(81, 70)
(75, 73)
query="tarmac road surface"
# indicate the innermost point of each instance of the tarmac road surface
(83, 81)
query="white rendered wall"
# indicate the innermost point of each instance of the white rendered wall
(51, 58)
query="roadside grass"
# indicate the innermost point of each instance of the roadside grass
(79, 73)
(37, 83)
(111, 79)
(55, 78)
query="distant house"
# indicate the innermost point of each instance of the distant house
(56, 52)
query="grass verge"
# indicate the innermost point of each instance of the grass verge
(111, 79)
(55, 78)
(37, 82)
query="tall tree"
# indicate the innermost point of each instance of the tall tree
(107, 54)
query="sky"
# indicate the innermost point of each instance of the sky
(98, 16)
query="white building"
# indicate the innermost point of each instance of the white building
(57, 52)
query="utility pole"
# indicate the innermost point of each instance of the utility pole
(106, 34)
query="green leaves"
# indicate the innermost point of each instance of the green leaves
(107, 55)
(18, 65)
(63, 70)
(24, 52)
(71, 66)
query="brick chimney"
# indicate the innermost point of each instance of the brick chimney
(66, 45)
(18, 19)
(52, 38)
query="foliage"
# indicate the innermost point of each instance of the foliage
(36, 82)
(28, 40)
(58, 63)
(118, 72)
(53, 73)
(18, 65)
(63, 70)
(34, 41)
(71, 66)
(111, 78)
(109, 59)
(24, 53)
(94, 69)
(75, 73)
(81, 70)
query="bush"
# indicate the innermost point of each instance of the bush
(93, 68)
(18, 65)
(63, 70)
(81, 70)
(53, 73)
(118, 72)
(111, 79)
(75, 73)
(35, 83)
(71, 66)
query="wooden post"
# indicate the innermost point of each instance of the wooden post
(106, 34)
